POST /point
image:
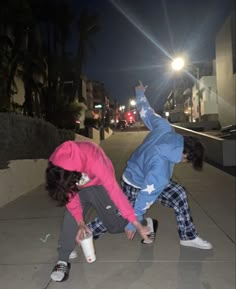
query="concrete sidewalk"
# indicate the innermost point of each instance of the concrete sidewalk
(29, 229)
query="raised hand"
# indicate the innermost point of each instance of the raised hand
(140, 87)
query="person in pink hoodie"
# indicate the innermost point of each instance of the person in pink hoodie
(80, 175)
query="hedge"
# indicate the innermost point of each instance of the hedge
(23, 137)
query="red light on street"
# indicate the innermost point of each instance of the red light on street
(129, 116)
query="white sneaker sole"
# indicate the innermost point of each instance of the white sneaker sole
(73, 255)
(206, 246)
(60, 276)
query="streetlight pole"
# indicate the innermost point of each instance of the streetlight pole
(177, 65)
(198, 94)
(122, 111)
(189, 94)
(191, 107)
(133, 108)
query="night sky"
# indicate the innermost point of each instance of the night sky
(138, 38)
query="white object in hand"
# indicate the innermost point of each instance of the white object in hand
(88, 249)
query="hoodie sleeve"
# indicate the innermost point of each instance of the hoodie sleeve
(152, 186)
(75, 208)
(150, 118)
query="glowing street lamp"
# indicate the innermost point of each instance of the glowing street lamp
(132, 102)
(122, 111)
(178, 64)
(122, 108)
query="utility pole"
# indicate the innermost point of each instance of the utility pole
(198, 94)
(191, 107)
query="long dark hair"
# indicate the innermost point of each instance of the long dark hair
(60, 183)
(195, 151)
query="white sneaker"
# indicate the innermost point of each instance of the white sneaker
(60, 271)
(73, 255)
(197, 243)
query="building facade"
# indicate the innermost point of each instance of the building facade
(205, 100)
(226, 71)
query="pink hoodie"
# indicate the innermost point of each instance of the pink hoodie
(89, 158)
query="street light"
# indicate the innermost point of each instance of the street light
(177, 65)
(132, 108)
(198, 94)
(132, 102)
(122, 110)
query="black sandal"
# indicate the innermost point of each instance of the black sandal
(153, 225)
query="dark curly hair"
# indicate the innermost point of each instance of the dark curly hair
(195, 151)
(60, 183)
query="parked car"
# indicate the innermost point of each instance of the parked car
(122, 124)
(131, 123)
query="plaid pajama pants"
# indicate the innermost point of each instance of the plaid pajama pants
(173, 196)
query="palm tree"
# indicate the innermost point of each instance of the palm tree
(20, 15)
(17, 26)
(87, 27)
(5, 47)
(22, 53)
(32, 70)
(10, 30)
(56, 23)
(31, 65)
